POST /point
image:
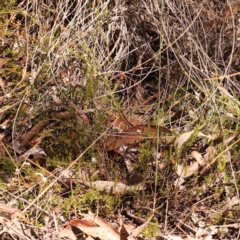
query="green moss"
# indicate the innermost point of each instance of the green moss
(7, 166)
(151, 230)
(7, 5)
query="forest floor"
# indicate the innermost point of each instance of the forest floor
(119, 119)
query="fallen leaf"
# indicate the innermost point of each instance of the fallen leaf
(57, 99)
(67, 233)
(129, 165)
(13, 212)
(81, 223)
(101, 233)
(234, 201)
(229, 12)
(178, 182)
(131, 135)
(198, 157)
(105, 231)
(4, 61)
(112, 187)
(20, 230)
(180, 140)
(30, 135)
(187, 171)
(231, 138)
(135, 179)
(125, 229)
(206, 233)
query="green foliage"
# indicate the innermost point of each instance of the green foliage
(78, 58)
(151, 230)
(7, 5)
(7, 166)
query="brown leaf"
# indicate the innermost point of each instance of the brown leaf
(57, 99)
(135, 179)
(231, 138)
(62, 115)
(198, 157)
(188, 170)
(220, 138)
(4, 61)
(81, 223)
(210, 24)
(67, 233)
(125, 229)
(79, 111)
(14, 212)
(30, 135)
(182, 139)
(105, 228)
(132, 135)
(100, 232)
(119, 123)
(234, 201)
(229, 12)
(112, 187)
(178, 182)
(2, 85)
(88, 226)
(22, 231)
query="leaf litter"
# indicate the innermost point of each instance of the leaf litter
(132, 134)
(135, 170)
(96, 227)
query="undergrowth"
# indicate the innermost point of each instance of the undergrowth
(76, 74)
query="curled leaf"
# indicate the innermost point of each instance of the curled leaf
(198, 157)
(187, 171)
(179, 142)
(131, 135)
(182, 139)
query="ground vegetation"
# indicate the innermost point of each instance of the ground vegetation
(119, 119)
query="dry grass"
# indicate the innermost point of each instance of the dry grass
(75, 72)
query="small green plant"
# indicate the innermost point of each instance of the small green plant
(151, 230)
